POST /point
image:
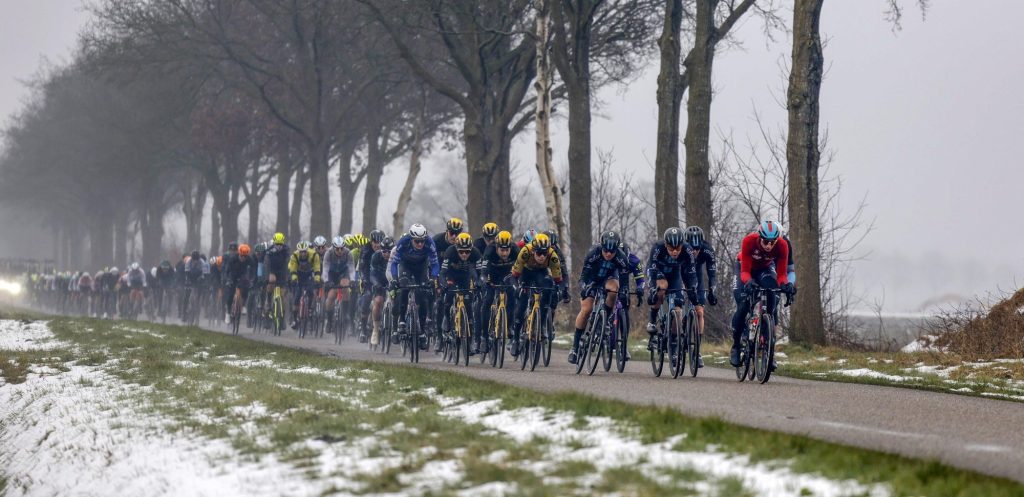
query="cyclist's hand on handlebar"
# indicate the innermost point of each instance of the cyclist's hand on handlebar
(788, 288)
(712, 299)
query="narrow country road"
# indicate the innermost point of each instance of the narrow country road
(974, 433)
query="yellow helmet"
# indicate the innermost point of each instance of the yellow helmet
(541, 243)
(490, 230)
(278, 238)
(455, 225)
(464, 241)
(503, 240)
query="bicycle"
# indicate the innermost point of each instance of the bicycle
(336, 317)
(412, 321)
(533, 328)
(668, 335)
(617, 341)
(303, 315)
(387, 324)
(236, 310)
(758, 344)
(594, 335)
(460, 332)
(275, 316)
(497, 333)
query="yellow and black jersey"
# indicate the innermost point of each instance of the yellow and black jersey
(526, 261)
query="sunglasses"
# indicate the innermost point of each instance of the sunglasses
(464, 251)
(419, 242)
(769, 243)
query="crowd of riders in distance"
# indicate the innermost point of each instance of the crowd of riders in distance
(361, 273)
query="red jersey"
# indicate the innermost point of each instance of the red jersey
(754, 257)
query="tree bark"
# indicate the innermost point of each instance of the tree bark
(121, 239)
(669, 96)
(193, 207)
(398, 220)
(284, 179)
(319, 193)
(699, 62)
(346, 186)
(101, 242)
(545, 170)
(214, 231)
(374, 172)
(254, 219)
(294, 222)
(152, 227)
(803, 158)
(489, 196)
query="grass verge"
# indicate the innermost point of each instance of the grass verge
(272, 401)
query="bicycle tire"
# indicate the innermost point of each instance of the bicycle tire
(621, 344)
(762, 349)
(608, 347)
(598, 337)
(549, 336)
(693, 343)
(657, 348)
(466, 337)
(677, 356)
(535, 343)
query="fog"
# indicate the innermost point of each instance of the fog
(923, 123)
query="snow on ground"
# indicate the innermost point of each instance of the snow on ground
(608, 444)
(19, 336)
(870, 373)
(925, 343)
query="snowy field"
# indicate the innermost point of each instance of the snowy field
(81, 429)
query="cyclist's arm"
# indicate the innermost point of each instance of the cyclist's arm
(781, 261)
(555, 267)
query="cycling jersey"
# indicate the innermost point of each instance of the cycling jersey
(441, 242)
(704, 260)
(378, 268)
(661, 262)
(526, 262)
(304, 264)
(406, 255)
(753, 258)
(276, 260)
(136, 278)
(454, 268)
(494, 268)
(481, 244)
(239, 271)
(598, 270)
(337, 266)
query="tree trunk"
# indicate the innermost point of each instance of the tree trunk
(374, 172)
(284, 179)
(489, 187)
(347, 187)
(319, 193)
(500, 197)
(697, 191)
(214, 231)
(580, 182)
(545, 170)
(398, 220)
(101, 242)
(229, 218)
(121, 239)
(254, 220)
(669, 96)
(294, 222)
(152, 226)
(803, 158)
(193, 207)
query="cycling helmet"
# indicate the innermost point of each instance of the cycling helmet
(387, 243)
(165, 264)
(233, 246)
(134, 266)
(320, 242)
(278, 238)
(609, 241)
(418, 231)
(624, 247)
(302, 246)
(694, 236)
(541, 244)
(261, 248)
(529, 236)
(673, 237)
(464, 241)
(455, 225)
(769, 230)
(503, 240)
(338, 242)
(358, 240)
(195, 254)
(490, 230)
(244, 249)
(152, 272)
(553, 235)
(376, 236)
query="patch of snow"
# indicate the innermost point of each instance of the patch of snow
(19, 336)
(925, 343)
(870, 373)
(494, 488)
(610, 445)
(963, 390)
(920, 367)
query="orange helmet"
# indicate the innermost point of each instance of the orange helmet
(244, 249)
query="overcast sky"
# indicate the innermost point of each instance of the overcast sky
(925, 122)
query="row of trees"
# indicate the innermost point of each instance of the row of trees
(177, 104)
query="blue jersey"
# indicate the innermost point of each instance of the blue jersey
(596, 268)
(636, 267)
(407, 255)
(705, 262)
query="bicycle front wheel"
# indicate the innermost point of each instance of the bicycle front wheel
(677, 354)
(598, 337)
(693, 333)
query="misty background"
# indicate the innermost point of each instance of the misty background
(922, 122)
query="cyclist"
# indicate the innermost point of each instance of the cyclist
(338, 272)
(260, 253)
(446, 239)
(496, 264)
(377, 277)
(320, 245)
(703, 261)
(414, 258)
(537, 265)
(563, 289)
(761, 253)
(670, 268)
(362, 270)
(528, 237)
(488, 233)
(136, 282)
(239, 273)
(276, 261)
(459, 271)
(601, 268)
(163, 283)
(636, 271)
(304, 267)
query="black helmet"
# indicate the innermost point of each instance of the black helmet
(195, 254)
(387, 243)
(694, 236)
(673, 237)
(610, 241)
(553, 235)
(624, 247)
(376, 236)
(233, 246)
(165, 264)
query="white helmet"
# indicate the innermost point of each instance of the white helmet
(320, 241)
(134, 266)
(338, 242)
(418, 231)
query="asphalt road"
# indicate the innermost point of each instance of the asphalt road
(979, 434)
